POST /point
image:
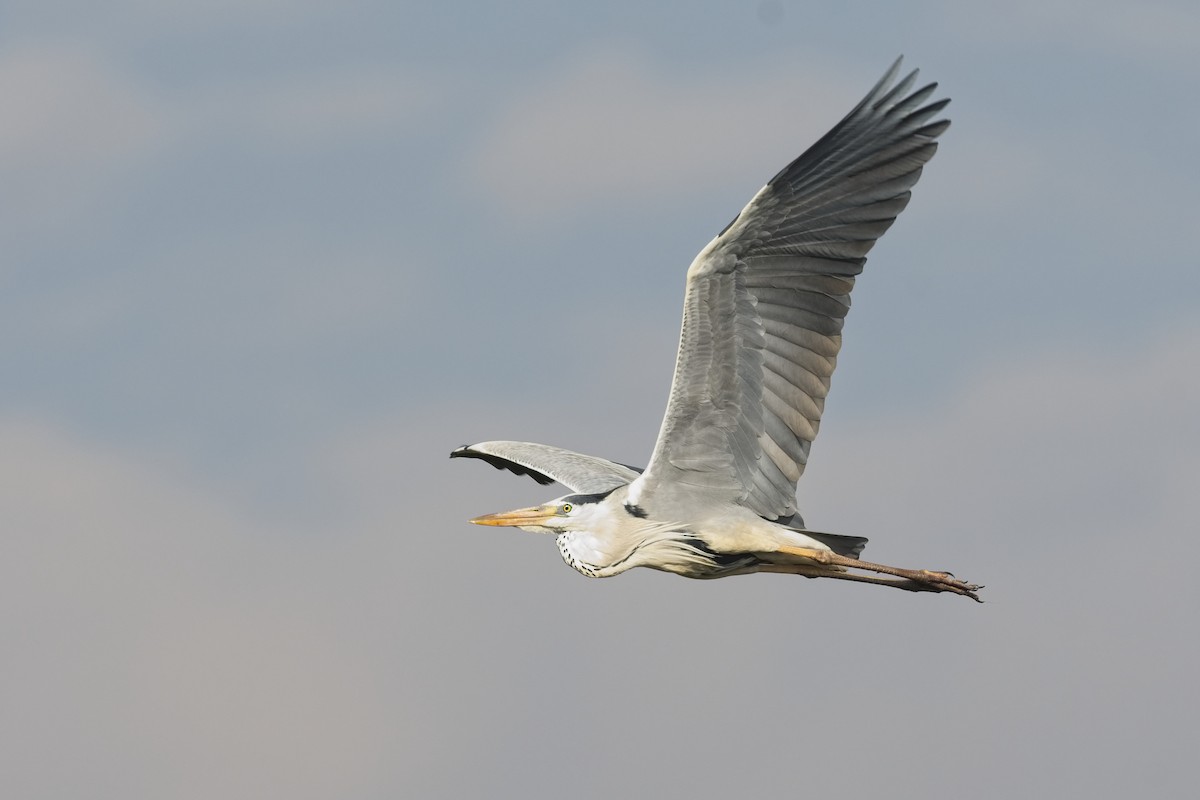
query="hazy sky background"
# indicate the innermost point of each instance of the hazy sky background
(265, 263)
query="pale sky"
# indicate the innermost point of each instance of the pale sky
(266, 263)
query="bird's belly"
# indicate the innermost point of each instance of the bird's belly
(682, 553)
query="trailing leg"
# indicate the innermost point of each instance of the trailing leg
(928, 580)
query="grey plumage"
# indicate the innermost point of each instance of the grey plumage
(766, 300)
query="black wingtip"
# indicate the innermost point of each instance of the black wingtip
(499, 462)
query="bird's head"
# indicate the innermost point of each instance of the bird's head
(571, 512)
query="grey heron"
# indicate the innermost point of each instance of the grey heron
(763, 312)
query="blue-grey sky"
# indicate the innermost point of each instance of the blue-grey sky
(266, 263)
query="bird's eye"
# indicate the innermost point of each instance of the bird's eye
(565, 508)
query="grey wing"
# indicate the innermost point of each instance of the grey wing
(545, 464)
(765, 303)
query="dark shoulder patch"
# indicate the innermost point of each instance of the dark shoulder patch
(636, 511)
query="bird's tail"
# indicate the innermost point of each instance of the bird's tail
(849, 546)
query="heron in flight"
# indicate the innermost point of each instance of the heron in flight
(762, 324)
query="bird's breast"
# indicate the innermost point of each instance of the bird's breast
(591, 555)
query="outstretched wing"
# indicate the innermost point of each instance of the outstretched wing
(765, 303)
(546, 464)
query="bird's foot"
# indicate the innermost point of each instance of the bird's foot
(946, 582)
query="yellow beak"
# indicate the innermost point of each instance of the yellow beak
(516, 519)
